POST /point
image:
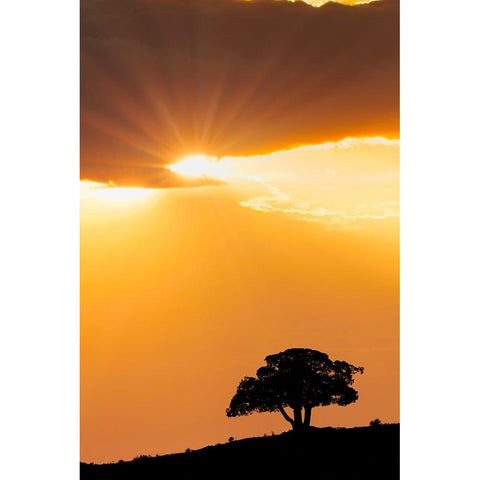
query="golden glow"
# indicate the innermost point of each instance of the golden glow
(186, 291)
(341, 184)
(199, 166)
(108, 192)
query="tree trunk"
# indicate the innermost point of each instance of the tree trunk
(297, 418)
(308, 417)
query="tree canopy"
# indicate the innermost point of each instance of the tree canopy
(298, 378)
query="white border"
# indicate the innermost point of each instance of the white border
(439, 238)
(39, 314)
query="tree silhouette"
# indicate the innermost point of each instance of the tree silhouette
(375, 423)
(299, 378)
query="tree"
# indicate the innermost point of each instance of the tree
(298, 378)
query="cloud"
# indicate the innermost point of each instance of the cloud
(339, 184)
(166, 78)
(306, 210)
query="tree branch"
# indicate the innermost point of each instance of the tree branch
(285, 414)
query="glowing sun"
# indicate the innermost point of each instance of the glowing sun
(199, 166)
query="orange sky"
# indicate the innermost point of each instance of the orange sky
(184, 291)
(277, 122)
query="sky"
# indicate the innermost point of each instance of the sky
(239, 196)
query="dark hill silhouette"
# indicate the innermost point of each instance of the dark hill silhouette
(321, 453)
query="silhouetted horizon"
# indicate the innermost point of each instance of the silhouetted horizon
(373, 452)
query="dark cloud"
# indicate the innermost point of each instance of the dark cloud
(164, 78)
